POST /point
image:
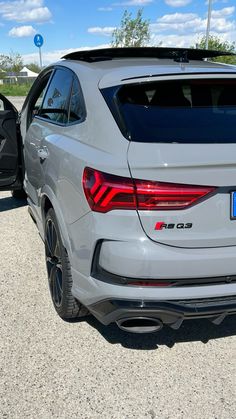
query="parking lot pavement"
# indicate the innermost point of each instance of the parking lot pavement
(17, 101)
(55, 369)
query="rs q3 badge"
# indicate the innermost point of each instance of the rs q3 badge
(160, 225)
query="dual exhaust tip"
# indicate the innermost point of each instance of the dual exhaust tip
(140, 324)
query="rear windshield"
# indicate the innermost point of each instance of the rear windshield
(189, 111)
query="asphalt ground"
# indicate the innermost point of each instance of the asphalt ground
(55, 369)
(17, 101)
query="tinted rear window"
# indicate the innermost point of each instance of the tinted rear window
(189, 111)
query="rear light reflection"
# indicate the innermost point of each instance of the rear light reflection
(106, 192)
(151, 284)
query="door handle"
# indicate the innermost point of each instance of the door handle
(43, 154)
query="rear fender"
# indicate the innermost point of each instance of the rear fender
(48, 193)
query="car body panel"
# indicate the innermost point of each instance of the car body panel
(147, 70)
(91, 291)
(192, 164)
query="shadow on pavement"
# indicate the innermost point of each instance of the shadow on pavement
(190, 331)
(9, 203)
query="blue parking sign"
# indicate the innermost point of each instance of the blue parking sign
(38, 40)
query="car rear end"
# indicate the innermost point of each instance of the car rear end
(166, 233)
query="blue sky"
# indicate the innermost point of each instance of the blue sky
(73, 24)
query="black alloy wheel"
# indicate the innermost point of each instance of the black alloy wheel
(54, 263)
(59, 271)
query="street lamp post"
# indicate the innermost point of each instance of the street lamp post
(208, 23)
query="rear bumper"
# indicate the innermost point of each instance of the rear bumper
(145, 259)
(171, 313)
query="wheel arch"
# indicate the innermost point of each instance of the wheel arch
(46, 204)
(49, 200)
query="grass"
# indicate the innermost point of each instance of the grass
(14, 89)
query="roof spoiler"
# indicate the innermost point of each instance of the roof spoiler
(181, 55)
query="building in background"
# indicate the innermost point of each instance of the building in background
(24, 76)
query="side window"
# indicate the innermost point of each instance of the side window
(39, 89)
(55, 105)
(39, 99)
(77, 111)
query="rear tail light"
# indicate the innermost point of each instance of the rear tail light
(106, 192)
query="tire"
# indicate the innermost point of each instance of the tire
(59, 272)
(19, 194)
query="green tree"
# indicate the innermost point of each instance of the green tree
(132, 32)
(2, 62)
(12, 62)
(2, 74)
(16, 62)
(34, 67)
(215, 43)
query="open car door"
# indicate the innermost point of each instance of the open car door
(10, 147)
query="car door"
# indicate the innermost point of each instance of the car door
(10, 147)
(44, 130)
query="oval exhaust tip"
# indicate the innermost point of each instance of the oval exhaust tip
(140, 324)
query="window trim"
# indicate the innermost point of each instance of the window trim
(34, 92)
(82, 101)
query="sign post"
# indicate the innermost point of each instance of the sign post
(38, 42)
(208, 23)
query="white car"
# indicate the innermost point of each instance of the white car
(128, 158)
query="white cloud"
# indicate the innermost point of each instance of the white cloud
(227, 11)
(175, 18)
(179, 22)
(187, 23)
(134, 3)
(183, 41)
(106, 31)
(22, 31)
(53, 56)
(177, 3)
(25, 11)
(222, 25)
